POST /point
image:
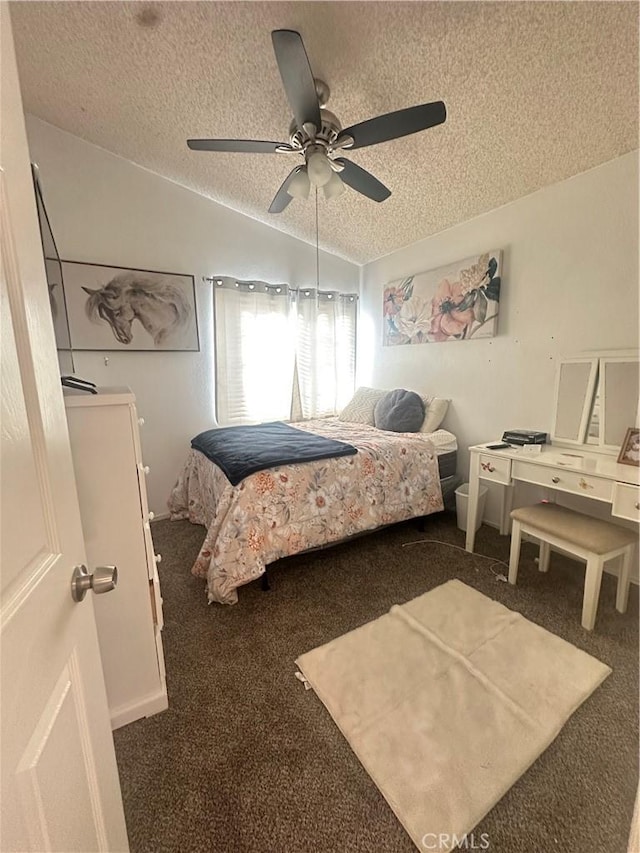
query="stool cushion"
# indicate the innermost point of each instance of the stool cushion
(592, 534)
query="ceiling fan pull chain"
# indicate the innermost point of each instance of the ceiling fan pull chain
(317, 249)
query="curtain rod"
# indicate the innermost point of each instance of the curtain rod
(305, 289)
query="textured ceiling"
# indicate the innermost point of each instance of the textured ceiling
(535, 92)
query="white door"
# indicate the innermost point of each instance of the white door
(59, 785)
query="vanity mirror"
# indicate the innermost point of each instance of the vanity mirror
(596, 399)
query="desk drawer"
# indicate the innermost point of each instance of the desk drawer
(495, 468)
(564, 480)
(626, 501)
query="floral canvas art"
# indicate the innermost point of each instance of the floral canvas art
(452, 303)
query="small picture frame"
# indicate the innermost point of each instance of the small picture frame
(630, 449)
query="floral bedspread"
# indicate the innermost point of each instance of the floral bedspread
(291, 508)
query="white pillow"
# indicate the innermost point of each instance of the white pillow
(359, 410)
(435, 409)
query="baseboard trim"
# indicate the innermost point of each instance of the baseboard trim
(145, 707)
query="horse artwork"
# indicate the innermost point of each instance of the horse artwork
(159, 306)
(113, 308)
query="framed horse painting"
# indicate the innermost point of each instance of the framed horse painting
(120, 308)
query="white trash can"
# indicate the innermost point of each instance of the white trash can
(462, 504)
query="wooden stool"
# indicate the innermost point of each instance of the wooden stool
(591, 539)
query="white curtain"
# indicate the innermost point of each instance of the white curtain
(254, 352)
(325, 350)
(282, 353)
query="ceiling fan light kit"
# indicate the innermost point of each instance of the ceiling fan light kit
(318, 166)
(300, 184)
(317, 135)
(334, 187)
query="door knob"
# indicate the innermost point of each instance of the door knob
(102, 580)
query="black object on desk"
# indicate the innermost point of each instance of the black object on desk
(524, 436)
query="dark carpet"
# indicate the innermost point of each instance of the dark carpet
(246, 760)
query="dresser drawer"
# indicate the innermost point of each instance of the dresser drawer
(495, 468)
(564, 480)
(626, 501)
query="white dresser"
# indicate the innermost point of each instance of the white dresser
(110, 475)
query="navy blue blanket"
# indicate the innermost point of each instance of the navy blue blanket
(242, 450)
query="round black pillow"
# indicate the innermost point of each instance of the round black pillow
(399, 411)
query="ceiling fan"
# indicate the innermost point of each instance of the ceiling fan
(317, 135)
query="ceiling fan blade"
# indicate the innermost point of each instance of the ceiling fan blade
(362, 181)
(297, 77)
(396, 124)
(240, 146)
(282, 197)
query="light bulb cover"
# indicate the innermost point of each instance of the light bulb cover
(300, 185)
(334, 187)
(319, 169)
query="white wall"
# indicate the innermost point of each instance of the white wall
(569, 283)
(106, 210)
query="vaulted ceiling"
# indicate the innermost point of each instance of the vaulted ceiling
(535, 92)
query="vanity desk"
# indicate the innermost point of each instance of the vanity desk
(596, 401)
(571, 470)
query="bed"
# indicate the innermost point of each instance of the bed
(293, 508)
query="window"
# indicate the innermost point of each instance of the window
(325, 351)
(280, 352)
